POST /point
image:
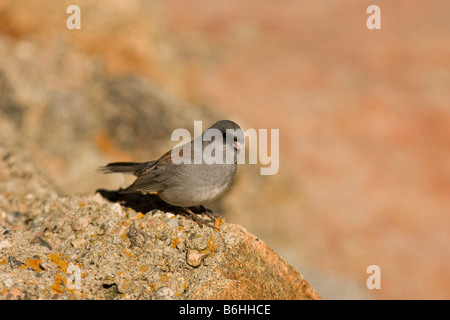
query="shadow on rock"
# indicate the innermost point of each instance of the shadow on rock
(139, 202)
(143, 202)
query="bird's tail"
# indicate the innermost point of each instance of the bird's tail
(125, 167)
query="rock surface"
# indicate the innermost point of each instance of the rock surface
(54, 246)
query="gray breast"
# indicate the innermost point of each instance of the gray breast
(199, 184)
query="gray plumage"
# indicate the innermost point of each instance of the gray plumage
(185, 184)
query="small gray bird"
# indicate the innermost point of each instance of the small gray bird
(179, 179)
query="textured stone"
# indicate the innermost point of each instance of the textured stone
(142, 256)
(194, 257)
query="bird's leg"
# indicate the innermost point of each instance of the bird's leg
(209, 213)
(195, 217)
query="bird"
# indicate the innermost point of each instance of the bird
(178, 178)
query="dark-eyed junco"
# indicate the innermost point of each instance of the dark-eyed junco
(192, 174)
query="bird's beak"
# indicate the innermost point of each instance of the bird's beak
(238, 145)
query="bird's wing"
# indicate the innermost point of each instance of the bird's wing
(156, 177)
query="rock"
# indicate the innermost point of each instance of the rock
(78, 243)
(194, 257)
(8, 282)
(173, 222)
(80, 223)
(41, 242)
(100, 254)
(106, 117)
(164, 293)
(15, 293)
(4, 244)
(250, 269)
(14, 263)
(14, 217)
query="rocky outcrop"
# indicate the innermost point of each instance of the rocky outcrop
(107, 246)
(62, 115)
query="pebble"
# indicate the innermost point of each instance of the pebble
(194, 258)
(78, 243)
(157, 213)
(164, 293)
(38, 240)
(80, 223)
(199, 242)
(14, 217)
(173, 222)
(116, 209)
(8, 282)
(5, 244)
(16, 293)
(13, 262)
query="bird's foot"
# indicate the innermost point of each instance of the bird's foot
(201, 222)
(209, 213)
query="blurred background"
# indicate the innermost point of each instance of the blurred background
(364, 118)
